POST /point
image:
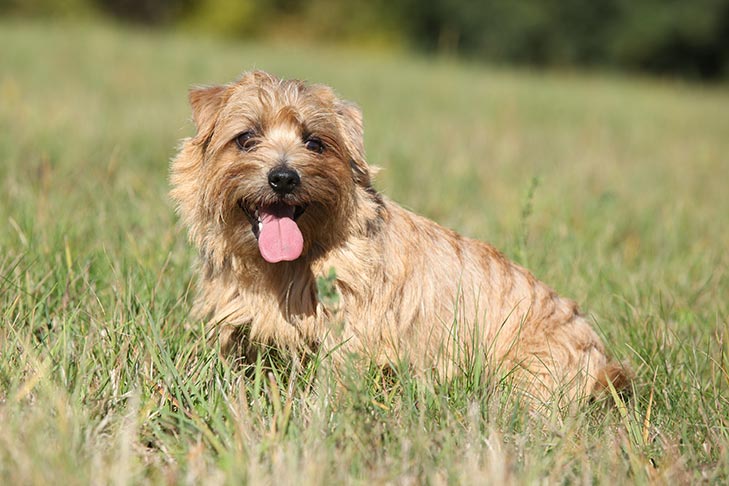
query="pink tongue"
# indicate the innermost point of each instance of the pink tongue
(280, 238)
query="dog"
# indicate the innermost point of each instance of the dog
(275, 191)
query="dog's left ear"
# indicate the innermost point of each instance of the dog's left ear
(206, 103)
(350, 121)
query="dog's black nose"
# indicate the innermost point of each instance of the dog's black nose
(283, 180)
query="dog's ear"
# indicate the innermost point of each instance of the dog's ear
(350, 122)
(206, 103)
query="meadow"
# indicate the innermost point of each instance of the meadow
(614, 190)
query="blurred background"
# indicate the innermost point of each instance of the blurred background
(689, 39)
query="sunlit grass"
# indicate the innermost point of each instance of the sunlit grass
(104, 378)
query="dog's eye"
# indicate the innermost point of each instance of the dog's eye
(314, 144)
(246, 141)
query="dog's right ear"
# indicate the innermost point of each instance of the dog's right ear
(206, 103)
(350, 121)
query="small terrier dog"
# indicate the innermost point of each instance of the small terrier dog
(275, 191)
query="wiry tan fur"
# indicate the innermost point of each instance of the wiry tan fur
(410, 290)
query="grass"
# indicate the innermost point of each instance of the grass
(613, 190)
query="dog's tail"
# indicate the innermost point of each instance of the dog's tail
(620, 375)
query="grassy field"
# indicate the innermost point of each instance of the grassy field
(615, 191)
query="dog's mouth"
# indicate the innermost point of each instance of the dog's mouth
(275, 228)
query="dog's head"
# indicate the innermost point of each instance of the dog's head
(272, 168)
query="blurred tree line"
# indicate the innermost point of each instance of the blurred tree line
(683, 37)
